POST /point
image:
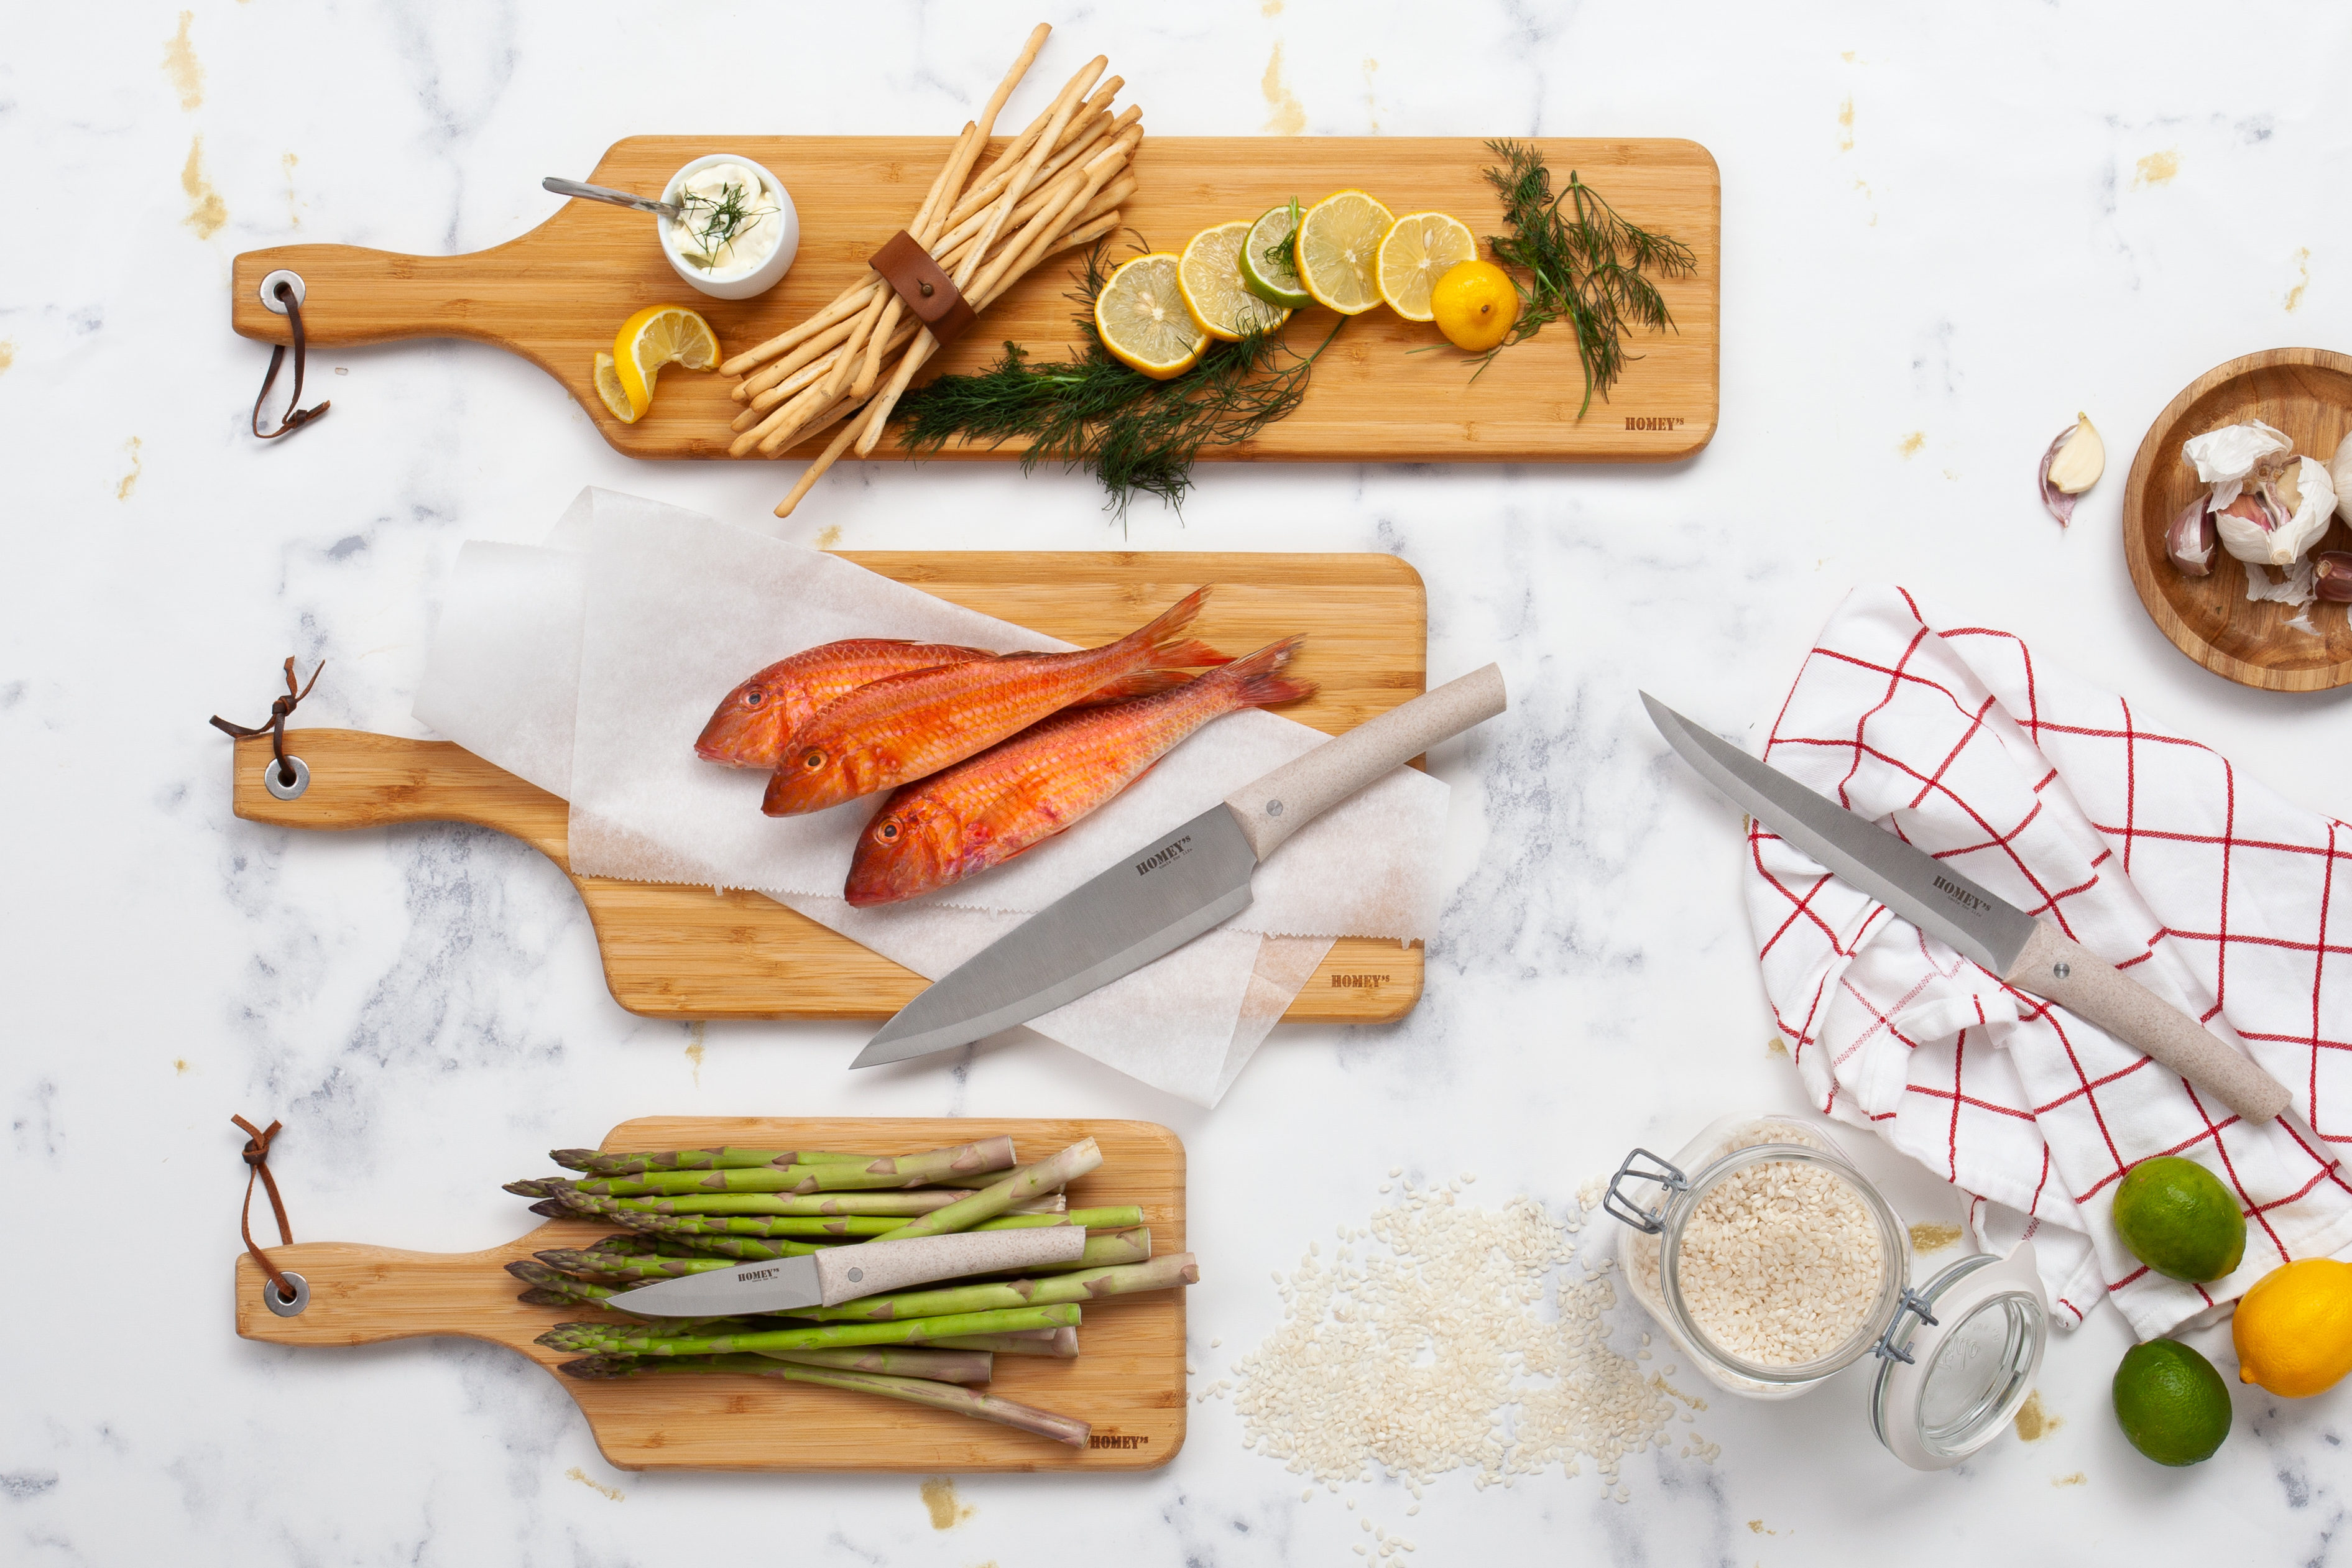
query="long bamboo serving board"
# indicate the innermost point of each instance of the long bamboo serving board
(559, 293)
(677, 952)
(1128, 1381)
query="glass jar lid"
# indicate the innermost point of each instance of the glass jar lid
(1959, 1359)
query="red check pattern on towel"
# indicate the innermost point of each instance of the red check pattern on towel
(2145, 847)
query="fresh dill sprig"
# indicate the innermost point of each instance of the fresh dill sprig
(1585, 263)
(721, 219)
(1134, 435)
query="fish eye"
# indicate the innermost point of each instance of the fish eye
(888, 832)
(813, 760)
(754, 697)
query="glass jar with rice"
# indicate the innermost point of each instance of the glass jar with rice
(1774, 1264)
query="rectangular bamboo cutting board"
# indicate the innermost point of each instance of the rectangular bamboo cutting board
(676, 952)
(1128, 1381)
(558, 294)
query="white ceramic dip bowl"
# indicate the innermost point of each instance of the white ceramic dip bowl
(737, 282)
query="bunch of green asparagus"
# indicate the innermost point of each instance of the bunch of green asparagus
(685, 1211)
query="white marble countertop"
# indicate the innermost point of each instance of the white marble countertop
(1942, 236)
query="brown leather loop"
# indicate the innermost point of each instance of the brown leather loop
(279, 709)
(295, 417)
(929, 292)
(257, 1160)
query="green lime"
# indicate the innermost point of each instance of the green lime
(1268, 271)
(2171, 1403)
(2179, 1219)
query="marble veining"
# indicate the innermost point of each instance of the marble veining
(1946, 231)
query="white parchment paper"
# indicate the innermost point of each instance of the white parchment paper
(626, 630)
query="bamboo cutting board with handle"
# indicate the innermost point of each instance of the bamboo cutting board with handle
(1128, 1381)
(559, 293)
(674, 951)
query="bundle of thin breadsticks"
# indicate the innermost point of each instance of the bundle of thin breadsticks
(1059, 184)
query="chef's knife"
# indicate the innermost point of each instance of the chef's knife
(839, 1274)
(2029, 954)
(1171, 890)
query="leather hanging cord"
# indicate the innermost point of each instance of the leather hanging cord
(296, 418)
(279, 709)
(257, 1160)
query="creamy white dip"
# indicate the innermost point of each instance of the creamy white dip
(731, 223)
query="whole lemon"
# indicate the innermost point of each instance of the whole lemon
(2294, 1328)
(2179, 1219)
(2171, 1404)
(1474, 305)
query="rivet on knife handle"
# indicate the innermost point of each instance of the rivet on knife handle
(1297, 793)
(2086, 985)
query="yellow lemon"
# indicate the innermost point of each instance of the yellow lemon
(654, 337)
(1421, 249)
(1474, 305)
(1339, 251)
(609, 388)
(2294, 1328)
(1143, 319)
(1210, 273)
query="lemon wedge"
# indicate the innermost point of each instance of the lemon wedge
(1339, 251)
(609, 388)
(654, 337)
(1143, 319)
(1420, 249)
(1210, 274)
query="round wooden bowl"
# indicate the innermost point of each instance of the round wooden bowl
(2307, 395)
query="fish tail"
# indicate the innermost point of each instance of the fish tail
(1254, 677)
(1139, 683)
(1191, 655)
(1165, 636)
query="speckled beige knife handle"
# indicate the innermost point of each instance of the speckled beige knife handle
(877, 1268)
(2083, 983)
(1296, 794)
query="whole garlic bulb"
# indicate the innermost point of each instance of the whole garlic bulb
(2225, 457)
(2282, 516)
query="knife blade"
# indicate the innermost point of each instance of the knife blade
(1172, 888)
(2030, 953)
(839, 1274)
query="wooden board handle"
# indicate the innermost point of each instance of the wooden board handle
(360, 1295)
(353, 295)
(1273, 808)
(2082, 982)
(363, 780)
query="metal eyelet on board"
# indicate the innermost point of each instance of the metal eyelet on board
(1625, 1209)
(276, 786)
(293, 281)
(1916, 1305)
(279, 1304)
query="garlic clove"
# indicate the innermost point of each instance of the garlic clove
(2078, 459)
(2331, 576)
(2060, 503)
(2192, 539)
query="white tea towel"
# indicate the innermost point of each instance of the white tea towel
(2145, 847)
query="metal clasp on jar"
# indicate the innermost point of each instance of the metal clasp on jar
(1916, 1305)
(1660, 1173)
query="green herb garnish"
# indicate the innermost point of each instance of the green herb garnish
(715, 221)
(1585, 262)
(1134, 435)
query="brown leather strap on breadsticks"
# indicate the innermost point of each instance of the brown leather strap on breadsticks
(257, 1160)
(929, 293)
(276, 727)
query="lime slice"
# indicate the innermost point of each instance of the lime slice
(1266, 270)
(1143, 319)
(1210, 274)
(1420, 249)
(1339, 251)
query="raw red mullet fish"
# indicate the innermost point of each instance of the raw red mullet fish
(758, 720)
(905, 727)
(984, 811)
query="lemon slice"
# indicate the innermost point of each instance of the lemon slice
(1339, 251)
(654, 337)
(1421, 249)
(1210, 274)
(1266, 270)
(609, 388)
(1144, 320)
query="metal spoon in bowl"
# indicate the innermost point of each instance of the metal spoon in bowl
(618, 198)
